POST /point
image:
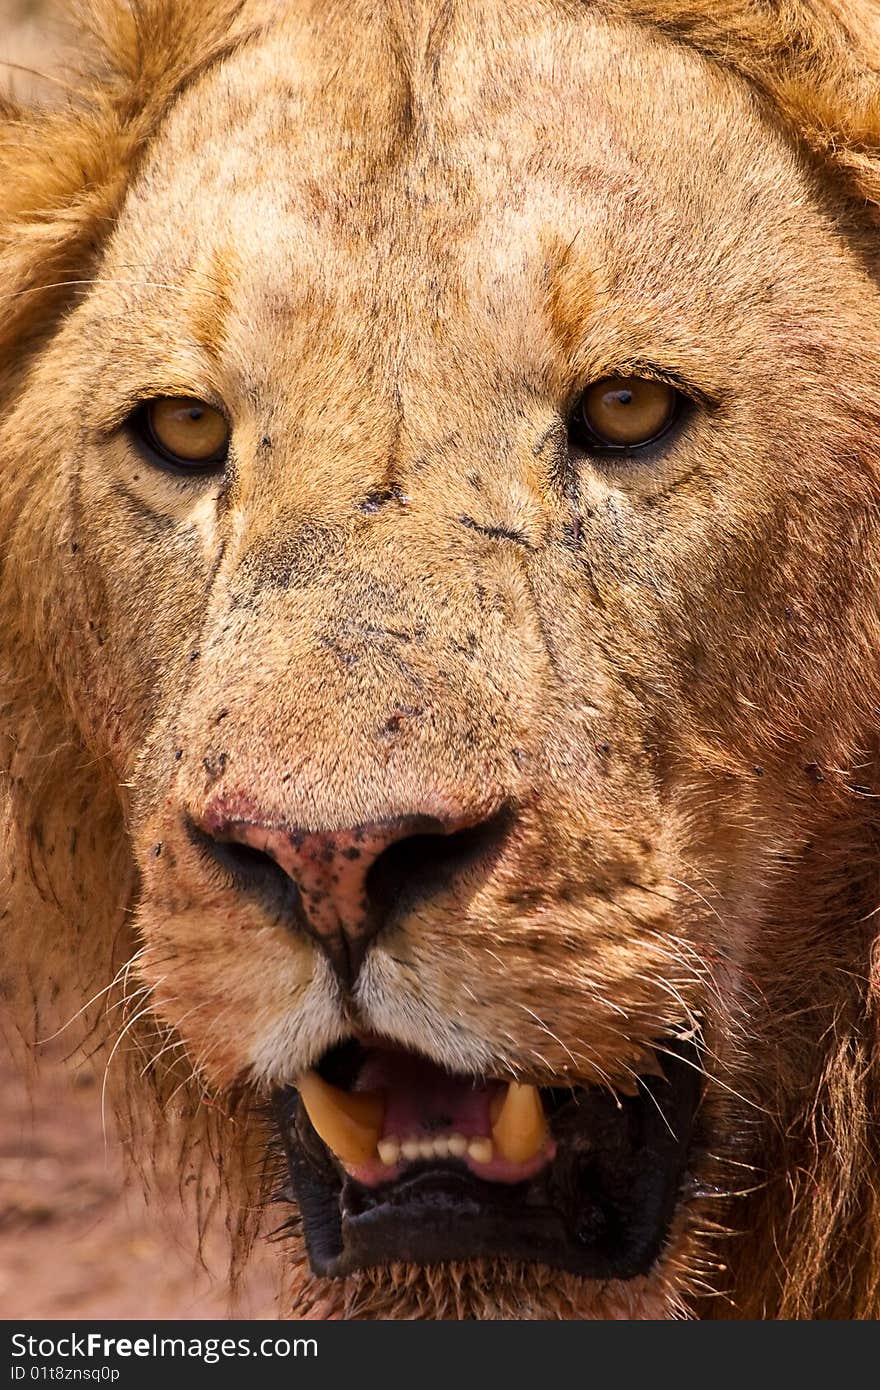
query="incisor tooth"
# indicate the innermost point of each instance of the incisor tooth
(480, 1149)
(457, 1145)
(389, 1151)
(520, 1129)
(441, 1147)
(349, 1122)
(426, 1148)
(411, 1148)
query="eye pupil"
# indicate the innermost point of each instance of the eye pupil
(617, 413)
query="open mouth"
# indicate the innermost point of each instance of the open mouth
(393, 1159)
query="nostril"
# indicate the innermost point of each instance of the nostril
(249, 870)
(341, 886)
(420, 866)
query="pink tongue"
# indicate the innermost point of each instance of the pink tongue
(422, 1099)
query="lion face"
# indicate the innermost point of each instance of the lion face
(462, 511)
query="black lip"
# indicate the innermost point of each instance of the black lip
(601, 1209)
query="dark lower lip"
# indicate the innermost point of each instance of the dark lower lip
(601, 1209)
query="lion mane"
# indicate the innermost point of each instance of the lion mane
(801, 1239)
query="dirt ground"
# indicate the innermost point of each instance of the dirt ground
(73, 1242)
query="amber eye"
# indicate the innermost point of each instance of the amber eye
(183, 431)
(623, 412)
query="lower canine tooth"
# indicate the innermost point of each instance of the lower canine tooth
(480, 1150)
(520, 1129)
(349, 1122)
(389, 1151)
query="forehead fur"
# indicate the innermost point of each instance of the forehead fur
(814, 65)
(527, 179)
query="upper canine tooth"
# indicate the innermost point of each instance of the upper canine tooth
(520, 1127)
(349, 1122)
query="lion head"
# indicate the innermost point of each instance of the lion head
(439, 623)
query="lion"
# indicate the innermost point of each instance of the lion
(439, 616)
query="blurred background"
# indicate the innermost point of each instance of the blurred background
(75, 1240)
(30, 32)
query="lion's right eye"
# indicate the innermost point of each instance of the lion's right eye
(183, 431)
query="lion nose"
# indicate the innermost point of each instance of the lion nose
(344, 886)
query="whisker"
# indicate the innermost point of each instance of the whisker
(41, 1042)
(112, 281)
(127, 1029)
(44, 77)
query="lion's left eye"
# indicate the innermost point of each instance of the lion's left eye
(183, 431)
(623, 412)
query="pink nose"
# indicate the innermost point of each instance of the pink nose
(343, 886)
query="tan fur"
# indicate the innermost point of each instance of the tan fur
(395, 242)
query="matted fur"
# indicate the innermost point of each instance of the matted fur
(761, 749)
